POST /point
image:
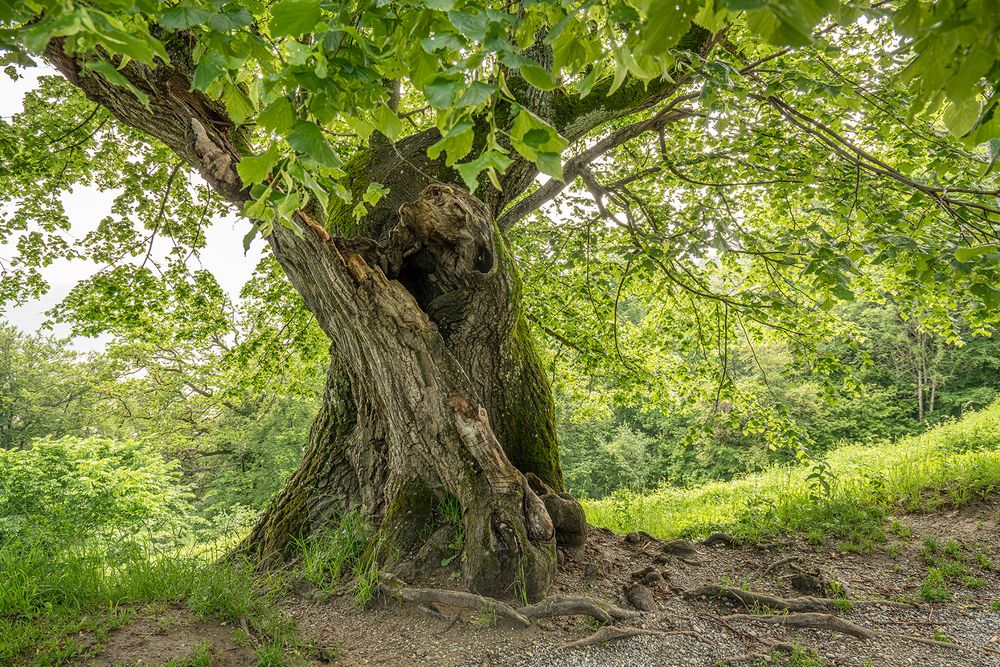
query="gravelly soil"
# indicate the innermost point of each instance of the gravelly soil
(391, 634)
(694, 631)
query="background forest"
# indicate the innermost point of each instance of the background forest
(226, 422)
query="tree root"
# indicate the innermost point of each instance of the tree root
(809, 620)
(758, 657)
(428, 599)
(394, 587)
(749, 599)
(715, 539)
(610, 633)
(576, 606)
(934, 642)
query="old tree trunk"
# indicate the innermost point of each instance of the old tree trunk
(435, 389)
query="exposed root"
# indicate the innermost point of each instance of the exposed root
(749, 599)
(576, 606)
(394, 587)
(758, 657)
(781, 563)
(892, 604)
(951, 646)
(716, 539)
(610, 633)
(809, 620)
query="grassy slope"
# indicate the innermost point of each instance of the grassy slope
(948, 465)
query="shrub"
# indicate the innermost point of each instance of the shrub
(76, 489)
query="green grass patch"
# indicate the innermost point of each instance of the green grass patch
(949, 465)
(50, 596)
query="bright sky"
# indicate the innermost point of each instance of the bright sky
(223, 255)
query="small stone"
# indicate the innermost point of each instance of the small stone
(654, 580)
(640, 597)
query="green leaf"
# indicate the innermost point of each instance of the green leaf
(538, 142)
(231, 20)
(471, 25)
(307, 138)
(387, 122)
(183, 17)
(256, 168)
(665, 23)
(209, 69)
(965, 254)
(539, 77)
(476, 94)
(237, 103)
(961, 117)
(457, 142)
(278, 116)
(490, 161)
(294, 17)
(374, 193)
(115, 77)
(441, 91)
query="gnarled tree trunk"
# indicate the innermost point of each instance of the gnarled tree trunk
(434, 388)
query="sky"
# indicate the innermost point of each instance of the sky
(223, 255)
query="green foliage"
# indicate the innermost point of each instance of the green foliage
(41, 389)
(947, 466)
(328, 554)
(899, 373)
(49, 595)
(88, 489)
(449, 512)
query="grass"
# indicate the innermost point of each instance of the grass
(53, 597)
(327, 555)
(949, 465)
(947, 566)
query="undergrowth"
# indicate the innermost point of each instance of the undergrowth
(949, 465)
(52, 600)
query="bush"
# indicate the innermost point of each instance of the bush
(69, 491)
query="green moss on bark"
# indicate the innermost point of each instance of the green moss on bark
(528, 416)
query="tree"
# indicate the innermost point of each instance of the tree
(340, 130)
(41, 392)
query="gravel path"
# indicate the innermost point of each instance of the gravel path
(393, 634)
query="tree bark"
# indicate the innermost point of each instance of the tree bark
(426, 360)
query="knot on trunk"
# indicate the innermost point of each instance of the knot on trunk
(566, 513)
(441, 251)
(454, 227)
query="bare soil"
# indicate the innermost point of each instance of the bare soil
(898, 627)
(167, 635)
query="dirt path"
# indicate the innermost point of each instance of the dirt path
(739, 622)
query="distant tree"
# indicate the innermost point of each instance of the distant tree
(41, 391)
